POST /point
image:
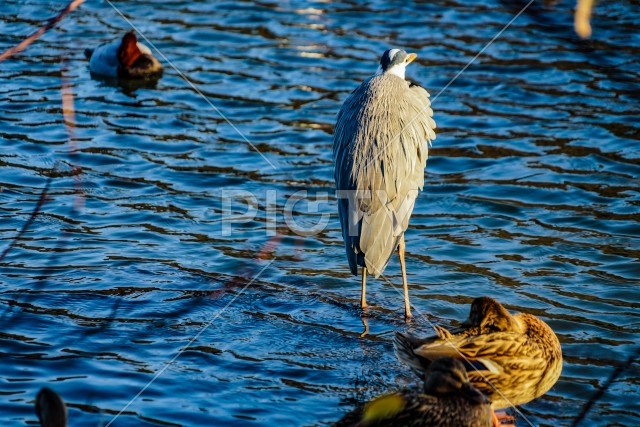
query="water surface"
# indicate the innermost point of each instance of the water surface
(531, 196)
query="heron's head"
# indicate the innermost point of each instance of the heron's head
(395, 61)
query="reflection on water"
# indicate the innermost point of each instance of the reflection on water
(531, 196)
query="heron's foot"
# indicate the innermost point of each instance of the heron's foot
(365, 323)
(408, 317)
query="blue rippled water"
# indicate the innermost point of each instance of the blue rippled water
(531, 196)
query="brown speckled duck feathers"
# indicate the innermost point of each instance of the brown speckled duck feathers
(511, 359)
(447, 400)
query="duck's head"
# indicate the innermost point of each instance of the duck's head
(490, 316)
(50, 408)
(395, 61)
(136, 60)
(448, 376)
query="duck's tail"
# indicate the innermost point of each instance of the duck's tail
(88, 53)
(403, 346)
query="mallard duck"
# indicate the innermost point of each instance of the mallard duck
(124, 58)
(447, 400)
(50, 408)
(511, 359)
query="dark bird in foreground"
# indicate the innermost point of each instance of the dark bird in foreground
(380, 150)
(511, 359)
(448, 400)
(50, 408)
(124, 58)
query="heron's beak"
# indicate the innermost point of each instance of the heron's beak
(410, 58)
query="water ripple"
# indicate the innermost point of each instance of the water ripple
(531, 195)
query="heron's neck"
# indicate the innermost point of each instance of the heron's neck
(396, 70)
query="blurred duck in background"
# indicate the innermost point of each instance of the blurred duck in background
(125, 58)
(51, 409)
(447, 400)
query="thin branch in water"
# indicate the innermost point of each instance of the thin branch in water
(69, 116)
(598, 394)
(32, 217)
(40, 31)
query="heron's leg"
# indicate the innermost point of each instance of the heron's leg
(405, 286)
(363, 298)
(365, 323)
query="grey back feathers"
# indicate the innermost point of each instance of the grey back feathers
(381, 144)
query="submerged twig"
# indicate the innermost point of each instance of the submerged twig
(40, 31)
(600, 392)
(69, 116)
(32, 217)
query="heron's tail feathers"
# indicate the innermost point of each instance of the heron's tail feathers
(382, 230)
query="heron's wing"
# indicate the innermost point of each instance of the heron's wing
(344, 158)
(381, 143)
(424, 111)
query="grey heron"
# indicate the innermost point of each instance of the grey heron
(380, 148)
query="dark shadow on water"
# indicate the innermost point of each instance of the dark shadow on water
(127, 86)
